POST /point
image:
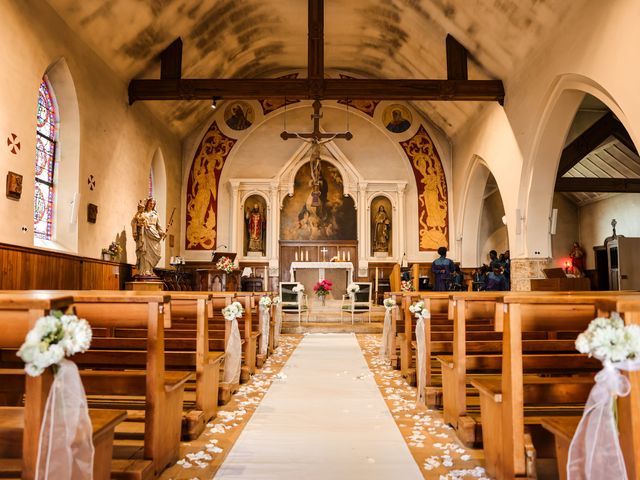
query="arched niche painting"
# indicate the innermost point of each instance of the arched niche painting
(381, 227)
(320, 212)
(255, 226)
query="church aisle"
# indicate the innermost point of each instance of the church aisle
(325, 419)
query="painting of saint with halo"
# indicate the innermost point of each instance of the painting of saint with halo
(318, 213)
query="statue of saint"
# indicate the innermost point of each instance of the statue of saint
(148, 235)
(382, 228)
(255, 229)
(577, 255)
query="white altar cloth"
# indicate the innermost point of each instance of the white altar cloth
(321, 267)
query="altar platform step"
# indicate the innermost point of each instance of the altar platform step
(332, 327)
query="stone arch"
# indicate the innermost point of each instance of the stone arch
(159, 175)
(540, 169)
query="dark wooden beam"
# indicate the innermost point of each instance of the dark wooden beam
(333, 89)
(315, 45)
(621, 134)
(588, 141)
(611, 185)
(456, 60)
(171, 61)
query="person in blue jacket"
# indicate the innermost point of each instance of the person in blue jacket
(442, 269)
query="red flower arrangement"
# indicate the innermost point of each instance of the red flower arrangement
(323, 288)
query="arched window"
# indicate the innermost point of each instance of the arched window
(151, 183)
(46, 143)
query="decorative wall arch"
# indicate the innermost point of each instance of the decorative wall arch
(540, 170)
(469, 220)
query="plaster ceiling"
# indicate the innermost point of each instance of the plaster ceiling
(266, 38)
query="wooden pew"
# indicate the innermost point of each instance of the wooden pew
(163, 390)
(563, 428)
(509, 450)
(20, 426)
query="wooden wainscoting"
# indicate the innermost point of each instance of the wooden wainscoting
(24, 268)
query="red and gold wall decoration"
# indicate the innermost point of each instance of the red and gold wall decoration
(433, 213)
(202, 189)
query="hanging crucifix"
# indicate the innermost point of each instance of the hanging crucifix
(317, 139)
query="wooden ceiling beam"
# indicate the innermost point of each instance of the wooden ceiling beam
(171, 61)
(609, 185)
(315, 45)
(456, 60)
(329, 89)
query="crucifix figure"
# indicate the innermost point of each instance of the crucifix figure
(317, 139)
(324, 253)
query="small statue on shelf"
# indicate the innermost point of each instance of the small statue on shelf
(577, 255)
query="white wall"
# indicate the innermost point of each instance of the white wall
(116, 142)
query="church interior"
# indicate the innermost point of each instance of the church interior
(285, 239)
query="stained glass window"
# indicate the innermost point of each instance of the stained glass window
(46, 136)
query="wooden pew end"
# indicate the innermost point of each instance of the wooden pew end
(193, 424)
(433, 397)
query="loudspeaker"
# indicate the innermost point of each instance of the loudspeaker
(73, 217)
(554, 221)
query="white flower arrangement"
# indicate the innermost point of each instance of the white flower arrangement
(233, 311)
(53, 338)
(389, 303)
(275, 300)
(418, 309)
(610, 340)
(265, 302)
(353, 288)
(298, 288)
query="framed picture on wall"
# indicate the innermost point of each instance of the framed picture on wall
(14, 185)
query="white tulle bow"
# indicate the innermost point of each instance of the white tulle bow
(65, 450)
(595, 452)
(421, 360)
(278, 326)
(264, 330)
(385, 347)
(233, 354)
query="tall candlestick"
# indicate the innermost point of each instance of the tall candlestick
(349, 256)
(344, 257)
(296, 255)
(307, 255)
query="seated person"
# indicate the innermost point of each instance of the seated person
(457, 279)
(479, 278)
(496, 280)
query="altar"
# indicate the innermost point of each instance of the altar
(309, 273)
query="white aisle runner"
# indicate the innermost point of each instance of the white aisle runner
(326, 419)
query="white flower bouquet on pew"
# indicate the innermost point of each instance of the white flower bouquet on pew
(595, 448)
(275, 300)
(265, 302)
(352, 289)
(233, 311)
(65, 444)
(418, 309)
(389, 303)
(53, 338)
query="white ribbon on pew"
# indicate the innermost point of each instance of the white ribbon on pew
(421, 371)
(233, 354)
(385, 347)
(264, 329)
(595, 451)
(65, 450)
(278, 326)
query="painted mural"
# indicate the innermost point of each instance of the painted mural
(239, 115)
(202, 189)
(397, 118)
(334, 218)
(271, 104)
(365, 106)
(427, 168)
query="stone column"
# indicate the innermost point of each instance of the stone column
(525, 269)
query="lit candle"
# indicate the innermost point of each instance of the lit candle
(307, 251)
(296, 255)
(349, 256)
(344, 257)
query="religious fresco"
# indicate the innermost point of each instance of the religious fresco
(239, 115)
(271, 104)
(397, 118)
(365, 106)
(255, 225)
(334, 218)
(381, 226)
(433, 213)
(202, 189)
